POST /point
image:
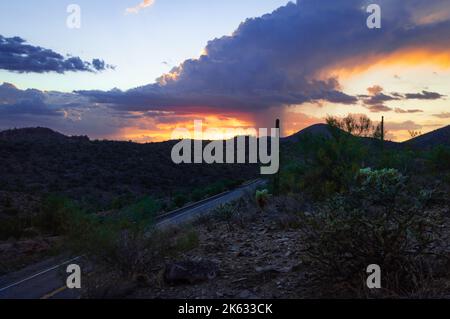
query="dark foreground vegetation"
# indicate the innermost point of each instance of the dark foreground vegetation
(45, 175)
(345, 200)
(105, 174)
(372, 202)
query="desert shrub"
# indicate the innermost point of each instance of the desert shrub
(117, 244)
(439, 158)
(262, 197)
(180, 200)
(141, 212)
(187, 241)
(121, 201)
(105, 238)
(124, 251)
(224, 212)
(197, 195)
(7, 201)
(290, 177)
(134, 260)
(214, 188)
(56, 215)
(382, 185)
(240, 212)
(13, 227)
(85, 232)
(133, 252)
(328, 166)
(127, 243)
(402, 160)
(382, 221)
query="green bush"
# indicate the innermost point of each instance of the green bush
(262, 197)
(439, 158)
(381, 221)
(143, 211)
(197, 195)
(187, 241)
(121, 201)
(180, 200)
(56, 215)
(118, 242)
(382, 185)
(326, 165)
(224, 212)
(403, 160)
(13, 227)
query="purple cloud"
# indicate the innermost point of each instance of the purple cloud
(18, 56)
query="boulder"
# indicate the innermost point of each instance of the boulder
(190, 272)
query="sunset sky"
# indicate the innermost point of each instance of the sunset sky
(136, 70)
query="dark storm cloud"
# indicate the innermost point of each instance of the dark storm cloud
(15, 102)
(34, 106)
(66, 112)
(379, 108)
(376, 99)
(274, 60)
(379, 98)
(18, 56)
(425, 95)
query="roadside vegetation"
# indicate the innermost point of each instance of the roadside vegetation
(372, 203)
(54, 223)
(347, 199)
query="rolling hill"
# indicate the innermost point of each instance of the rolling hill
(437, 137)
(40, 161)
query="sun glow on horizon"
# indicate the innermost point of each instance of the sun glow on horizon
(215, 127)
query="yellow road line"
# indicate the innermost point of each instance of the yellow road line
(57, 291)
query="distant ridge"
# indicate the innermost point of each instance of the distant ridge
(431, 139)
(41, 161)
(438, 137)
(316, 129)
(37, 134)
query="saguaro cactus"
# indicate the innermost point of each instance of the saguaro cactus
(276, 181)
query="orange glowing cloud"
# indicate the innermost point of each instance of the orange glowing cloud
(144, 4)
(406, 57)
(154, 129)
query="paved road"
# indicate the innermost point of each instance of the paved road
(46, 280)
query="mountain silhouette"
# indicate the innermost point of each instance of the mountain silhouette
(432, 139)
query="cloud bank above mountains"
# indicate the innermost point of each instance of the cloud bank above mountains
(285, 58)
(279, 59)
(18, 56)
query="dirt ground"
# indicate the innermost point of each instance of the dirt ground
(260, 260)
